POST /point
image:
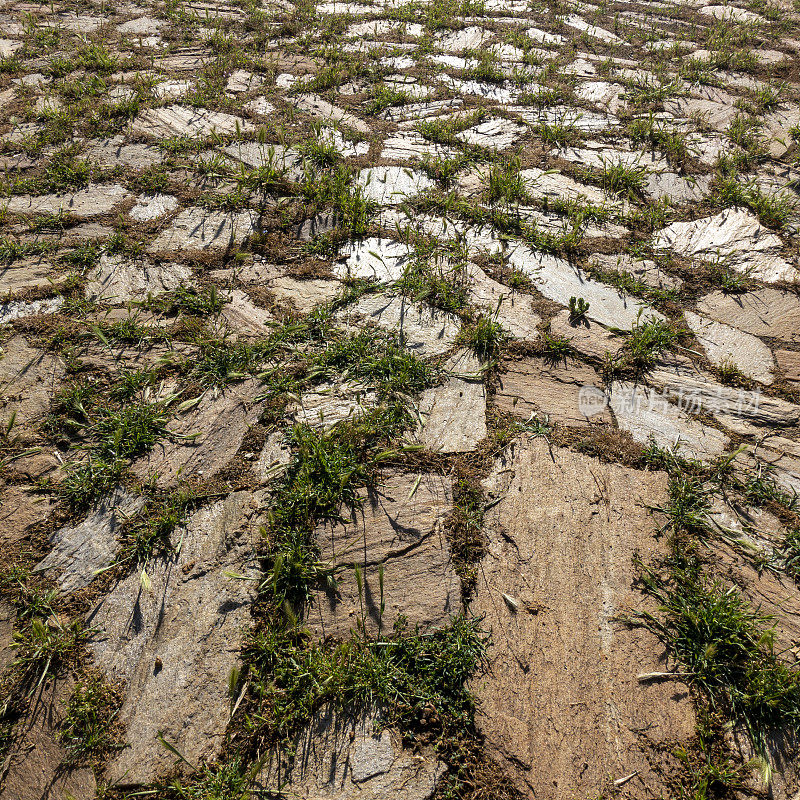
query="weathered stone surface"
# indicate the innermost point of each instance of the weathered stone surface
(241, 318)
(344, 757)
(34, 766)
(315, 106)
(512, 310)
(274, 455)
(197, 229)
(80, 550)
(149, 207)
(117, 279)
(26, 274)
(532, 388)
(585, 337)
(561, 706)
(206, 439)
(580, 24)
(676, 188)
(91, 202)
(494, 134)
(648, 272)
(424, 329)
(19, 309)
(21, 510)
(541, 184)
(725, 344)
(8, 616)
(742, 411)
(163, 123)
(304, 295)
(465, 39)
(735, 235)
(558, 280)
(603, 94)
(400, 526)
(648, 415)
(789, 364)
(392, 185)
(174, 645)
(763, 312)
(778, 127)
(111, 152)
(382, 260)
(28, 379)
(331, 403)
(453, 416)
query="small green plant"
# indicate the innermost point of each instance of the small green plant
(556, 348)
(648, 339)
(577, 310)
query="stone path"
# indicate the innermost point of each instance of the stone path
(536, 252)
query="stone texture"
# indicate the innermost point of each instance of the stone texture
(347, 756)
(331, 403)
(558, 280)
(425, 330)
(205, 439)
(392, 185)
(28, 379)
(315, 106)
(19, 309)
(561, 706)
(452, 416)
(382, 260)
(763, 312)
(173, 645)
(586, 337)
(400, 526)
(22, 510)
(648, 272)
(116, 279)
(494, 134)
(34, 762)
(735, 235)
(304, 295)
(79, 551)
(197, 229)
(169, 121)
(648, 415)
(724, 344)
(150, 207)
(91, 202)
(512, 310)
(532, 388)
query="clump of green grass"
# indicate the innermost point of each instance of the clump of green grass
(484, 335)
(774, 210)
(648, 339)
(383, 97)
(405, 675)
(727, 649)
(88, 732)
(505, 183)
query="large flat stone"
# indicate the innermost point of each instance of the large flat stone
(425, 330)
(28, 379)
(648, 415)
(763, 312)
(117, 279)
(561, 706)
(558, 280)
(453, 415)
(217, 426)
(91, 202)
(512, 310)
(170, 121)
(735, 235)
(531, 388)
(317, 107)
(173, 645)
(388, 186)
(197, 230)
(400, 526)
(79, 551)
(724, 344)
(382, 260)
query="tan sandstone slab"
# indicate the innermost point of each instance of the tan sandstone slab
(561, 706)
(400, 526)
